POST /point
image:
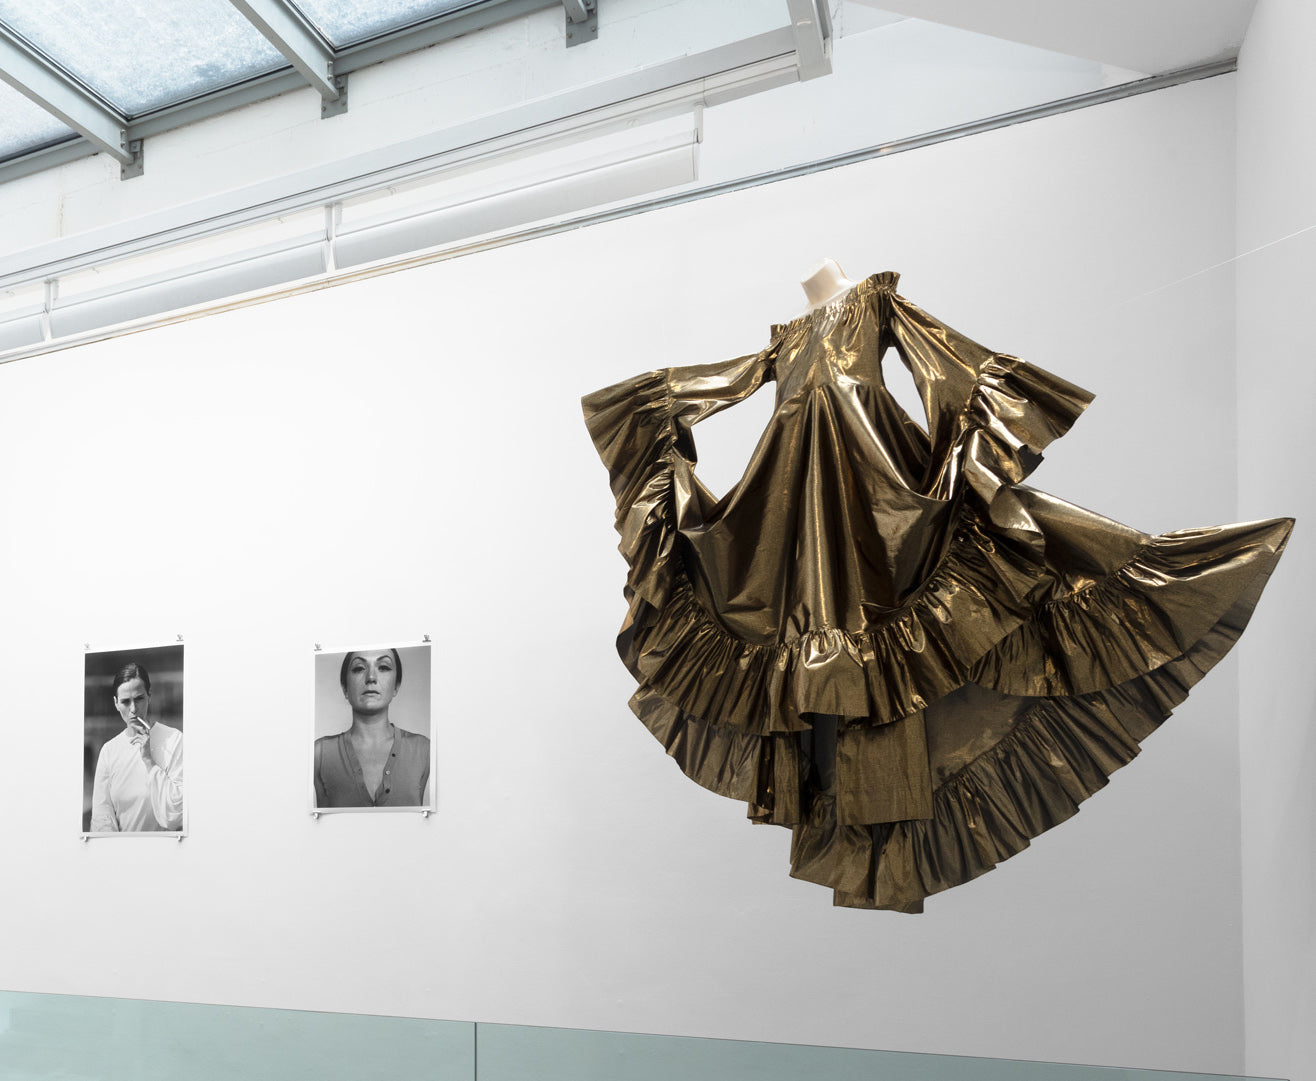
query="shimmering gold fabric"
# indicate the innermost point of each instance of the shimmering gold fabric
(881, 639)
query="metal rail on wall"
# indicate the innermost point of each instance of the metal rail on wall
(334, 252)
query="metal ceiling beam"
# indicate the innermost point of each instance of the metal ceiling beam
(35, 77)
(721, 74)
(378, 50)
(812, 24)
(582, 21)
(47, 157)
(300, 43)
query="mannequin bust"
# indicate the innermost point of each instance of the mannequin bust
(825, 282)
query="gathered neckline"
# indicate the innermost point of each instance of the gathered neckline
(883, 282)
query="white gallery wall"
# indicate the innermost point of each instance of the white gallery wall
(405, 456)
(1277, 442)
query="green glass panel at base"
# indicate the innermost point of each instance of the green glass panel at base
(519, 1053)
(74, 1038)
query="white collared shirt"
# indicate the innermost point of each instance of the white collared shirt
(128, 796)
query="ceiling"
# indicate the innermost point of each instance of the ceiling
(113, 72)
(104, 74)
(1151, 36)
(82, 76)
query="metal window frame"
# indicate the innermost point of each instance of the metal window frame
(708, 78)
(314, 64)
(299, 42)
(582, 21)
(811, 20)
(42, 81)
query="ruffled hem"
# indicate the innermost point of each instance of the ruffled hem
(974, 621)
(1156, 606)
(978, 596)
(1061, 751)
(980, 592)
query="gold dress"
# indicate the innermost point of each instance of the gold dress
(879, 638)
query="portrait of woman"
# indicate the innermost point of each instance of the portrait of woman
(377, 752)
(136, 785)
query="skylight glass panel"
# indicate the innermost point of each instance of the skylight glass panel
(24, 126)
(345, 22)
(144, 54)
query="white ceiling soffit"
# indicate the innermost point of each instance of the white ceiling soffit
(1151, 36)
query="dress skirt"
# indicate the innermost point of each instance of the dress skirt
(880, 638)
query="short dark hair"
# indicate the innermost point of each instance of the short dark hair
(347, 659)
(130, 671)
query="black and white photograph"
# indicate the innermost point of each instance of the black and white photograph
(372, 749)
(133, 742)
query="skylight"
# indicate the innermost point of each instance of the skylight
(140, 55)
(346, 22)
(103, 75)
(25, 127)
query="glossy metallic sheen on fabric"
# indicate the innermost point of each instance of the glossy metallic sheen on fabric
(880, 638)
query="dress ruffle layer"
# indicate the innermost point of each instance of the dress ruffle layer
(1049, 755)
(980, 591)
(913, 746)
(1057, 752)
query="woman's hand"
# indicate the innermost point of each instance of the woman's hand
(140, 737)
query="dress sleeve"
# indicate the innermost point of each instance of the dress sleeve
(641, 429)
(639, 420)
(1020, 409)
(103, 818)
(164, 785)
(1017, 410)
(990, 415)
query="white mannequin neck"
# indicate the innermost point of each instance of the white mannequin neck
(824, 283)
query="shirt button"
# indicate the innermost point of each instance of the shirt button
(387, 772)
